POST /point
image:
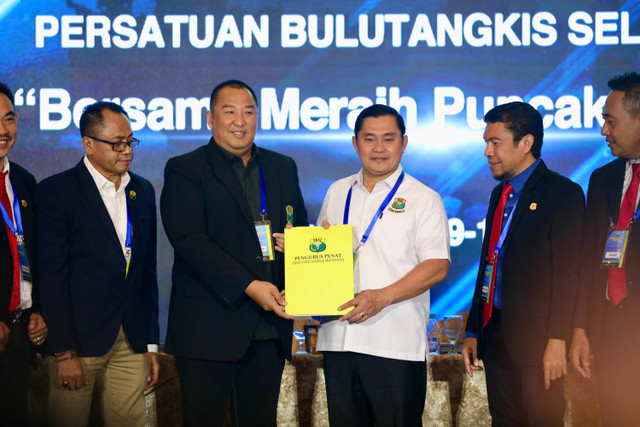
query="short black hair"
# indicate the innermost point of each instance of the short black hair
(5, 89)
(629, 83)
(378, 110)
(521, 119)
(92, 118)
(236, 84)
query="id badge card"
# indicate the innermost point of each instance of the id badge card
(263, 229)
(487, 278)
(615, 249)
(23, 259)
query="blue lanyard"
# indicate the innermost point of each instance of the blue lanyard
(635, 216)
(505, 229)
(127, 242)
(16, 212)
(382, 207)
(263, 197)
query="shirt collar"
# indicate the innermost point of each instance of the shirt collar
(230, 157)
(103, 183)
(5, 167)
(518, 181)
(389, 181)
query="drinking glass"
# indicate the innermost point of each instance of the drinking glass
(453, 330)
(299, 335)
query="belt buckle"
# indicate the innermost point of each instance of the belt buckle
(16, 316)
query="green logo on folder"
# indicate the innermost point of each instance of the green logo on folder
(317, 244)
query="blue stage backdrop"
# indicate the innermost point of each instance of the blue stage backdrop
(314, 66)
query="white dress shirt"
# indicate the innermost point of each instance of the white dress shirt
(400, 240)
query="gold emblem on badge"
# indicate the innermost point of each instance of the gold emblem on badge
(533, 206)
(132, 195)
(24, 203)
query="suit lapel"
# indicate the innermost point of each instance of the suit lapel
(221, 169)
(273, 189)
(25, 203)
(90, 191)
(132, 193)
(524, 201)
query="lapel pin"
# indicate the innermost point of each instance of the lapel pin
(24, 203)
(132, 195)
(533, 206)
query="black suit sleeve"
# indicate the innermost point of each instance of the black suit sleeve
(53, 265)
(565, 236)
(149, 272)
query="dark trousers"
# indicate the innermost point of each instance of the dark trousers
(14, 376)
(364, 390)
(251, 383)
(517, 396)
(617, 368)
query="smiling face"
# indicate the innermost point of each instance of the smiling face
(506, 158)
(111, 164)
(380, 146)
(622, 130)
(8, 127)
(233, 121)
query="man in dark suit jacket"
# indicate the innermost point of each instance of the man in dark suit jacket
(608, 306)
(227, 326)
(97, 232)
(20, 321)
(521, 330)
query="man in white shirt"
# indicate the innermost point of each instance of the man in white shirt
(21, 325)
(374, 356)
(97, 231)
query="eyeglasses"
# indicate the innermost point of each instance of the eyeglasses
(119, 146)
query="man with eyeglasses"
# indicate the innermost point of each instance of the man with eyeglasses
(21, 325)
(97, 229)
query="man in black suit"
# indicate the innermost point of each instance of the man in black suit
(20, 321)
(608, 305)
(227, 327)
(521, 311)
(97, 232)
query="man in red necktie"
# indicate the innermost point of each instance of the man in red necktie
(20, 323)
(521, 311)
(608, 305)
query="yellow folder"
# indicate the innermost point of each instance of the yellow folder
(318, 270)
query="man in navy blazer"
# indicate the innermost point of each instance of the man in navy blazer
(227, 327)
(97, 224)
(20, 321)
(520, 322)
(607, 320)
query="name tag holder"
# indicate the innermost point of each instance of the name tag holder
(18, 232)
(617, 241)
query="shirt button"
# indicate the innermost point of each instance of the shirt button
(511, 195)
(258, 258)
(505, 215)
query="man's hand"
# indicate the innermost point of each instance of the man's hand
(70, 371)
(268, 297)
(4, 336)
(579, 352)
(153, 367)
(37, 329)
(470, 356)
(365, 305)
(279, 237)
(554, 361)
